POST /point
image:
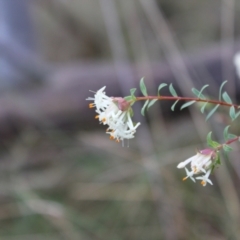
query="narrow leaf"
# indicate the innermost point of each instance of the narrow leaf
(132, 91)
(227, 148)
(225, 132)
(237, 114)
(220, 89)
(187, 104)
(232, 113)
(226, 98)
(151, 103)
(231, 136)
(212, 112)
(203, 107)
(198, 94)
(172, 90)
(143, 87)
(162, 85)
(128, 98)
(143, 108)
(210, 142)
(173, 106)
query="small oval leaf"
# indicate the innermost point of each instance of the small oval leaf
(225, 132)
(143, 108)
(212, 112)
(203, 107)
(198, 94)
(226, 98)
(143, 87)
(132, 91)
(151, 103)
(162, 85)
(220, 89)
(187, 104)
(173, 106)
(232, 113)
(227, 148)
(172, 90)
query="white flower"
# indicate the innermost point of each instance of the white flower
(205, 178)
(101, 100)
(189, 175)
(116, 113)
(199, 163)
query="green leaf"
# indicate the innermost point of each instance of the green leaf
(173, 106)
(205, 86)
(237, 115)
(227, 148)
(162, 85)
(210, 142)
(143, 108)
(198, 94)
(212, 112)
(187, 104)
(143, 87)
(132, 91)
(231, 136)
(172, 90)
(203, 107)
(151, 103)
(225, 132)
(220, 89)
(216, 162)
(232, 113)
(129, 98)
(226, 98)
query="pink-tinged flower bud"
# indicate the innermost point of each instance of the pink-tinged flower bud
(122, 104)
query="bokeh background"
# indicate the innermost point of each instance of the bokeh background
(60, 175)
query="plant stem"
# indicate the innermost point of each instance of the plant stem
(228, 142)
(187, 99)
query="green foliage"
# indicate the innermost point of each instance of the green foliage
(144, 107)
(232, 113)
(187, 104)
(129, 98)
(216, 162)
(172, 90)
(225, 132)
(237, 115)
(203, 107)
(132, 91)
(151, 103)
(143, 87)
(212, 112)
(210, 142)
(162, 85)
(227, 148)
(173, 106)
(231, 136)
(199, 93)
(220, 89)
(132, 97)
(226, 98)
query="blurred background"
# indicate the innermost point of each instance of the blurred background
(61, 177)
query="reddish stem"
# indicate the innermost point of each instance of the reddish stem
(187, 99)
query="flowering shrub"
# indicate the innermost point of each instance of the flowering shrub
(117, 113)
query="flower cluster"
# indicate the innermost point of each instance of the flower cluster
(202, 162)
(116, 113)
